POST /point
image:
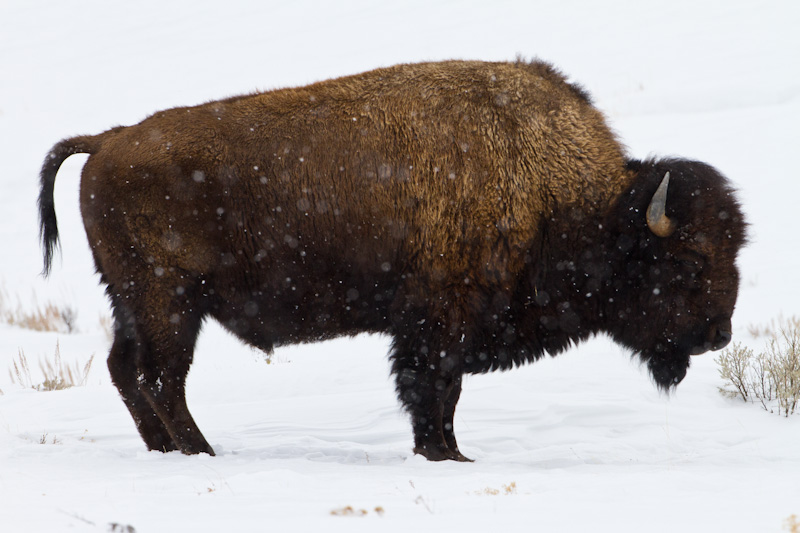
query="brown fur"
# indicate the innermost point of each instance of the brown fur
(480, 213)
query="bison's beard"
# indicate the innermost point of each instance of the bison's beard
(668, 368)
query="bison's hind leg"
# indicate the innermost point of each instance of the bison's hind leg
(124, 374)
(160, 328)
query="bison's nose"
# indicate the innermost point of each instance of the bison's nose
(717, 337)
(722, 339)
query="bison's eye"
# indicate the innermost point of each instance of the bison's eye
(689, 266)
(691, 260)
(692, 266)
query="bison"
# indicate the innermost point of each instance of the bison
(480, 214)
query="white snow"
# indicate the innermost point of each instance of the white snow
(581, 442)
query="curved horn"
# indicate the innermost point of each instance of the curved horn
(658, 222)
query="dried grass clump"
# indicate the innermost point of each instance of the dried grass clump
(47, 317)
(772, 328)
(507, 490)
(57, 375)
(44, 439)
(350, 511)
(771, 377)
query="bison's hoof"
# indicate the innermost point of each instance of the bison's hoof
(463, 458)
(436, 453)
(196, 448)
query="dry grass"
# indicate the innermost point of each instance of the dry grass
(350, 511)
(44, 439)
(38, 317)
(121, 528)
(773, 328)
(57, 375)
(107, 325)
(506, 490)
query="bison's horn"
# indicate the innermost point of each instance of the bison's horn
(658, 222)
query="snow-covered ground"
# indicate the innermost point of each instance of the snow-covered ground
(581, 442)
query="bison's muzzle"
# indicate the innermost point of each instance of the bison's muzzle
(717, 337)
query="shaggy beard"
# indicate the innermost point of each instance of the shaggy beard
(667, 368)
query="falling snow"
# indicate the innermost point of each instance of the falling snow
(584, 438)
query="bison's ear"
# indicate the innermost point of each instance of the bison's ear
(657, 220)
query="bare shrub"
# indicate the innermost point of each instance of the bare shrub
(771, 377)
(783, 367)
(734, 365)
(57, 375)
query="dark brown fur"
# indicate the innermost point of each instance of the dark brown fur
(481, 214)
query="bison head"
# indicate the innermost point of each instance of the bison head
(679, 229)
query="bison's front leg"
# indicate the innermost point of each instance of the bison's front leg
(429, 384)
(448, 416)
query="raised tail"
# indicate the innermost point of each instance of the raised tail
(48, 227)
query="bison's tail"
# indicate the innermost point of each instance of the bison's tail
(48, 227)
